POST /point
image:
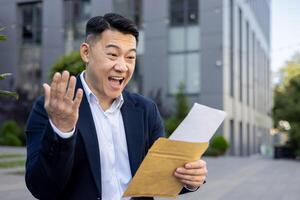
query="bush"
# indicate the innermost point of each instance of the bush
(218, 146)
(71, 62)
(171, 124)
(10, 140)
(11, 134)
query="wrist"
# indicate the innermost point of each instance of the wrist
(61, 127)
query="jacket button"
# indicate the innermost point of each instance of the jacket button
(98, 198)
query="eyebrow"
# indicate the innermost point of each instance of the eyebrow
(117, 47)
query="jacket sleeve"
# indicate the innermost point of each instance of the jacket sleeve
(49, 157)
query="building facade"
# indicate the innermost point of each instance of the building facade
(218, 49)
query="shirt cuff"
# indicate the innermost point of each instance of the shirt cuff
(64, 135)
(193, 190)
(189, 189)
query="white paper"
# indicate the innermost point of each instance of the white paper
(199, 125)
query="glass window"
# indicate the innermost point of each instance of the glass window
(176, 39)
(193, 73)
(176, 12)
(31, 23)
(192, 12)
(76, 14)
(176, 72)
(131, 9)
(184, 42)
(30, 47)
(193, 35)
(183, 12)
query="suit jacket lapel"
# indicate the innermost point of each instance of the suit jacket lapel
(88, 132)
(133, 123)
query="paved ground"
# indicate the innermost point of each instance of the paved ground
(230, 178)
(254, 178)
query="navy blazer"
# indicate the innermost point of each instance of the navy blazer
(59, 168)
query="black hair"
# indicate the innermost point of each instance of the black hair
(96, 25)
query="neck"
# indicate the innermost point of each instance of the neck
(104, 102)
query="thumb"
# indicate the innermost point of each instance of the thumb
(47, 94)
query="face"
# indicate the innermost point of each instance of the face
(110, 63)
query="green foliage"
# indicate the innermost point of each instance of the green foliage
(11, 134)
(4, 92)
(71, 62)
(181, 104)
(182, 110)
(218, 146)
(3, 76)
(287, 101)
(171, 124)
(2, 37)
(291, 70)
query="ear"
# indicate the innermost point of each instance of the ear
(84, 52)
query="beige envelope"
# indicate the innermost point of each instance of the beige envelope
(155, 175)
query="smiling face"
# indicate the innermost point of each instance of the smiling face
(110, 64)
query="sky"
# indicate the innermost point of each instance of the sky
(285, 34)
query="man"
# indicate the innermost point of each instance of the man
(87, 137)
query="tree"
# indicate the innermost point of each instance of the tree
(71, 62)
(287, 101)
(182, 110)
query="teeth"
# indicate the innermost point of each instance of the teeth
(117, 78)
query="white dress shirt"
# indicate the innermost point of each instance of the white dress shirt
(115, 167)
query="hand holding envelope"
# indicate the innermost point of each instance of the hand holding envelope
(192, 174)
(155, 176)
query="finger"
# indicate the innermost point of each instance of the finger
(47, 95)
(194, 172)
(78, 98)
(195, 165)
(71, 88)
(62, 86)
(53, 88)
(199, 178)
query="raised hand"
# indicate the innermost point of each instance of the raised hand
(61, 105)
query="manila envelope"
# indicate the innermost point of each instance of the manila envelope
(155, 175)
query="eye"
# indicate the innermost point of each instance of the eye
(131, 57)
(112, 54)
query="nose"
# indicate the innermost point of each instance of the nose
(121, 66)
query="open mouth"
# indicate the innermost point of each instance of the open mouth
(116, 79)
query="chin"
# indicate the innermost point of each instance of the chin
(114, 95)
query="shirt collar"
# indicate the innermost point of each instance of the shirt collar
(116, 105)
